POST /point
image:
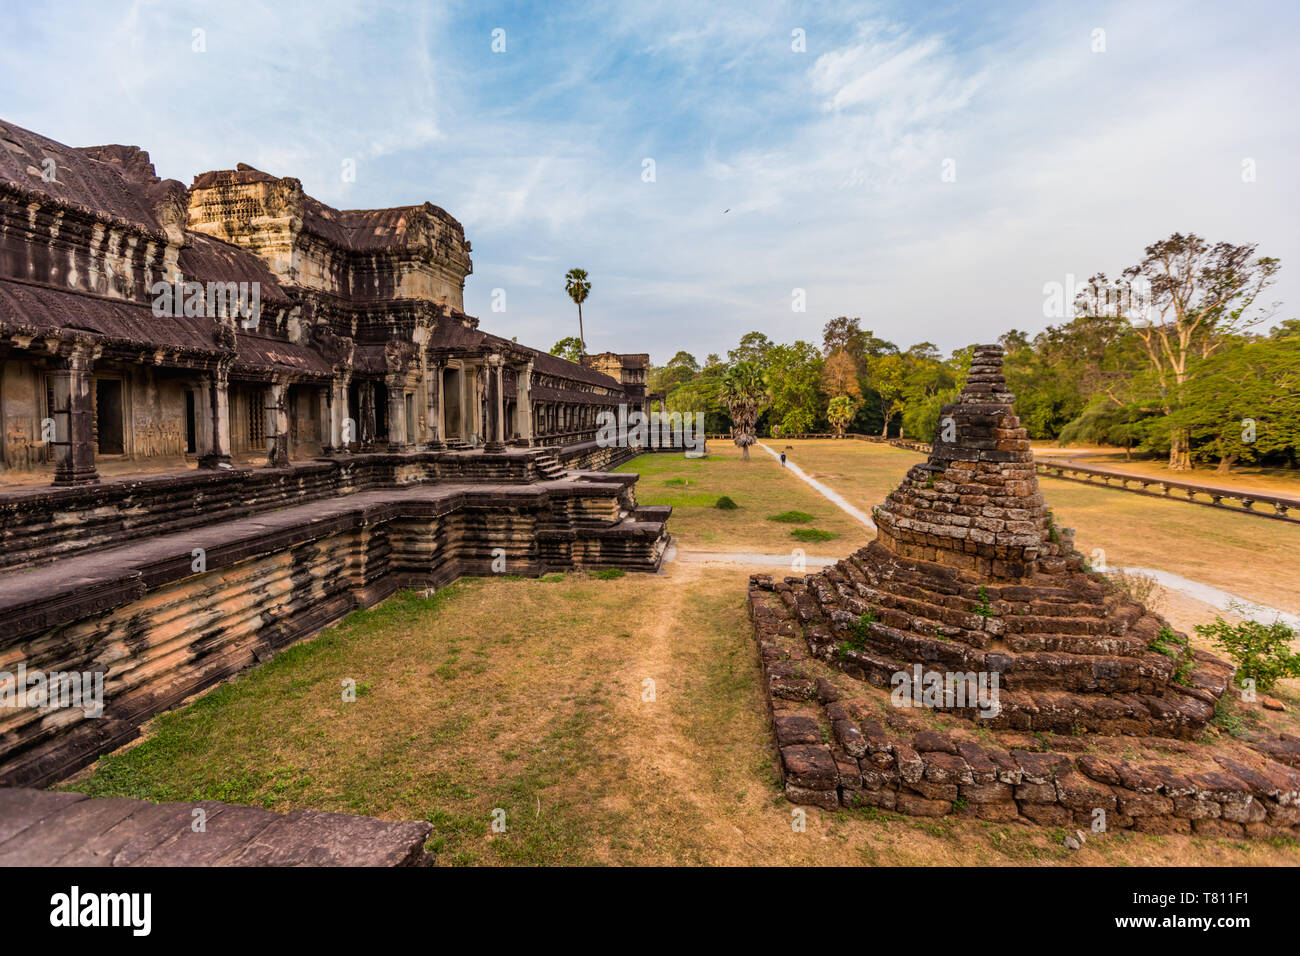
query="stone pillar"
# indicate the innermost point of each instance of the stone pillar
(340, 434)
(495, 425)
(433, 409)
(396, 414)
(366, 396)
(218, 455)
(277, 425)
(524, 404)
(74, 420)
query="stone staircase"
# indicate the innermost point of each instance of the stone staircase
(549, 467)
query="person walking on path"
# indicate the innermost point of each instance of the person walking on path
(782, 459)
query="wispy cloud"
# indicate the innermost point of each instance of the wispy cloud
(927, 171)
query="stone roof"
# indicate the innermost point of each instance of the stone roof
(27, 308)
(112, 181)
(356, 230)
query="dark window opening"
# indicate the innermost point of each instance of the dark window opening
(191, 428)
(108, 416)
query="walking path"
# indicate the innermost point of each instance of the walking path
(56, 828)
(831, 495)
(1222, 600)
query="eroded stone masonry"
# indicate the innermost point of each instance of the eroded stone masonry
(967, 661)
(187, 486)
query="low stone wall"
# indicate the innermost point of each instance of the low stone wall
(43, 524)
(158, 632)
(837, 750)
(1284, 508)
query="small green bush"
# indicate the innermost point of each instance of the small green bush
(812, 534)
(726, 504)
(1262, 652)
(792, 517)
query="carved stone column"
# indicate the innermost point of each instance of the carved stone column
(396, 414)
(495, 425)
(341, 430)
(218, 455)
(433, 409)
(366, 396)
(524, 404)
(74, 420)
(277, 425)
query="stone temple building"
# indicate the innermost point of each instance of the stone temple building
(361, 343)
(230, 413)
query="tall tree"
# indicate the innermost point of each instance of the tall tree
(1184, 301)
(743, 394)
(568, 348)
(578, 287)
(839, 412)
(888, 377)
(753, 348)
(793, 379)
(840, 377)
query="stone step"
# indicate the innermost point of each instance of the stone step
(47, 828)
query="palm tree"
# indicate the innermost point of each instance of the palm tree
(840, 412)
(576, 284)
(743, 393)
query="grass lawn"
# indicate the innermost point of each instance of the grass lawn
(759, 486)
(542, 712)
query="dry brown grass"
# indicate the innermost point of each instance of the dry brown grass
(541, 712)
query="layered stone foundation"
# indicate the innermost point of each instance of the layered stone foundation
(843, 743)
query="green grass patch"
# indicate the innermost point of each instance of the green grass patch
(792, 517)
(812, 534)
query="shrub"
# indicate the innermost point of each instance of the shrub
(791, 517)
(1141, 588)
(812, 534)
(1262, 652)
(726, 504)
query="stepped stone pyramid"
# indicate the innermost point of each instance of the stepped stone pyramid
(969, 573)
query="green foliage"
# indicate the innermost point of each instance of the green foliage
(791, 517)
(793, 379)
(726, 504)
(1249, 382)
(568, 348)
(608, 574)
(743, 393)
(1262, 652)
(984, 609)
(858, 633)
(812, 534)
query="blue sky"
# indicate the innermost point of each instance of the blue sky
(775, 169)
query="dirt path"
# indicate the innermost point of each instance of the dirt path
(1220, 600)
(834, 497)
